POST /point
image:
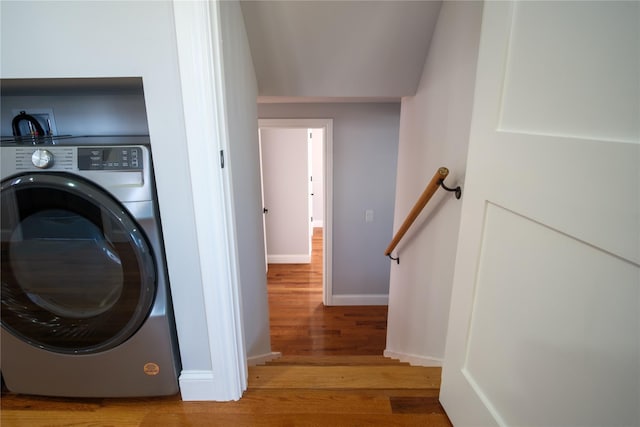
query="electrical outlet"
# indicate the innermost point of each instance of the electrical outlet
(44, 116)
(368, 215)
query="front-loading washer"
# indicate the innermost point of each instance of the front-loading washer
(86, 308)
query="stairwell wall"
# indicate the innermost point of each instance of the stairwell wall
(434, 132)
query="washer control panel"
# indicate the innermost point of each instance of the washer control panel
(25, 158)
(110, 158)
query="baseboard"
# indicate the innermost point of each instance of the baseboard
(197, 385)
(289, 259)
(204, 386)
(318, 223)
(263, 358)
(414, 359)
(380, 299)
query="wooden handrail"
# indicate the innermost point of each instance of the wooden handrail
(426, 195)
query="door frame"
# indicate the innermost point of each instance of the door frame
(223, 375)
(327, 241)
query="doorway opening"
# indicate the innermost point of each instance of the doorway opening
(304, 319)
(326, 126)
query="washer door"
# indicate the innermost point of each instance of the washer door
(78, 275)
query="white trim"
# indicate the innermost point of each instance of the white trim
(380, 299)
(289, 259)
(196, 385)
(200, 61)
(263, 358)
(327, 246)
(318, 223)
(327, 99)
(414, 359)
(327, 252)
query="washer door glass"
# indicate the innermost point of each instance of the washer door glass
(78, 275)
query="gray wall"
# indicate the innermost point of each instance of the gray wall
(365, 149)
(84, 114)
(244, 162)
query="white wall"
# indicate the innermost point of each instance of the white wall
(339, 48)
(317, 171)
(125, 39)
(244, 162)
(365, 144)
(434, 132)
(285, 179)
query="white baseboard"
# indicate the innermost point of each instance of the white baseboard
(263, 358)
(289, 259)
(413, 359)
(318, 223)
(197, 385)
(380, 299)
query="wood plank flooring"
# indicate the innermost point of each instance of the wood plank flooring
(381, 393)
(345, 377)
(302, 325)
(332, 374)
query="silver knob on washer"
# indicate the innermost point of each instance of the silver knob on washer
(42, 159)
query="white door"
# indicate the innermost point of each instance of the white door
(544, 327)
(265, 210)
(286, 194)
(310, 184)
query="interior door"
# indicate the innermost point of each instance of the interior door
(544, 326)
(265, 210)
(286, 194)
(310, 183)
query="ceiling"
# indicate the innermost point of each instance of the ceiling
(338, 50)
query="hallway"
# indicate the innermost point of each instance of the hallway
(302, 325)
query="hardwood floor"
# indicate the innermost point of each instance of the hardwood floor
(332, 374)
(302, 325)
(293, 391)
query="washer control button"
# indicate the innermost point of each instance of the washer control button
(42, 159)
